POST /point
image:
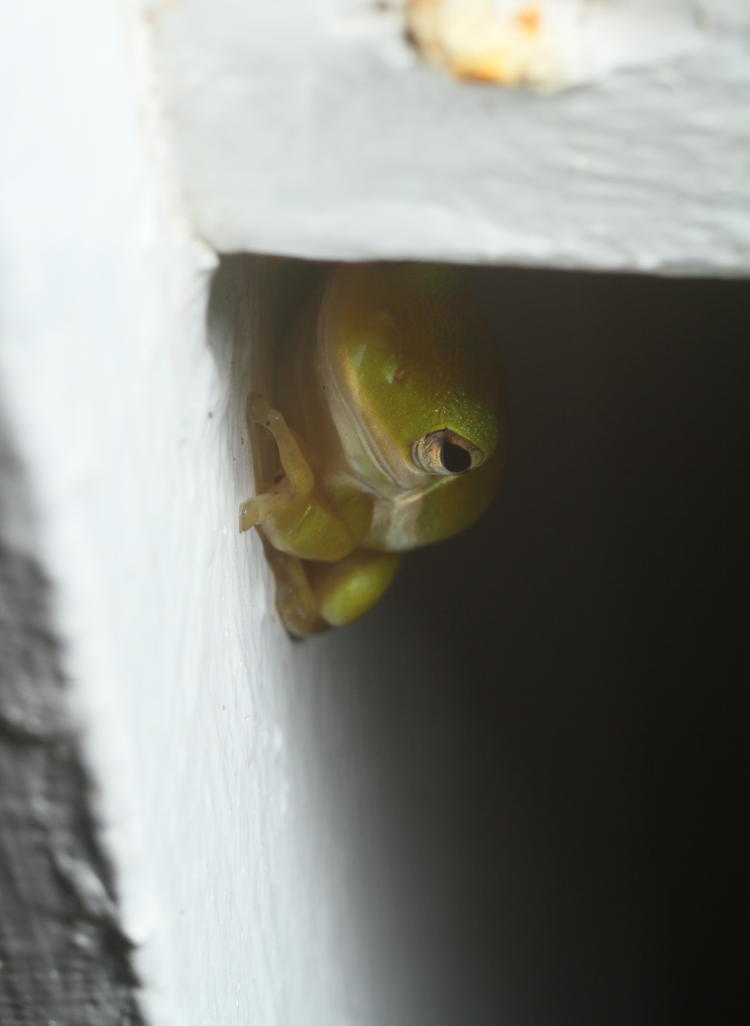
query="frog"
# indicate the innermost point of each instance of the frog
(387, 431)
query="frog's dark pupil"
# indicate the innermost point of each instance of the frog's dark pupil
(455, 458)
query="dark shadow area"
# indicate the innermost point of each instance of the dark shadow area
(529, 756)
(537, 767)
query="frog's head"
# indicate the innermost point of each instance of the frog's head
(414, 370)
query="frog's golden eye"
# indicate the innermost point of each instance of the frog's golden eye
(445, 452)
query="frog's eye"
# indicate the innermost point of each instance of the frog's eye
(445, 452)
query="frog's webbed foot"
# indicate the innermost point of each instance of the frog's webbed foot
(257, 408)
(298, 523)
(294, 482)
(255, 511)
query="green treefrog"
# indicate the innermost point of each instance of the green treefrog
(386, 420)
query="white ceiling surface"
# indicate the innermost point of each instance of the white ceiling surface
(310, 127)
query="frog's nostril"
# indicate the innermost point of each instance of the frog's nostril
(455, 458)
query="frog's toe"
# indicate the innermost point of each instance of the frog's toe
(258, 408)
(249, 515)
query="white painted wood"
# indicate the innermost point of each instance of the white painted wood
(126, 424)
(310, 127)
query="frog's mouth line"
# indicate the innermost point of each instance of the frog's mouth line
(396, 480)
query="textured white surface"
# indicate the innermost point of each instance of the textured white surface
(182, 682)
(309, 127)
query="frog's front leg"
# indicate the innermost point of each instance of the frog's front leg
(294, 515)
(299, 478)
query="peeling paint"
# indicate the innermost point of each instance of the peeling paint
(548, 45)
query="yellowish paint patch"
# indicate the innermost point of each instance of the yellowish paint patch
(511, 44)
